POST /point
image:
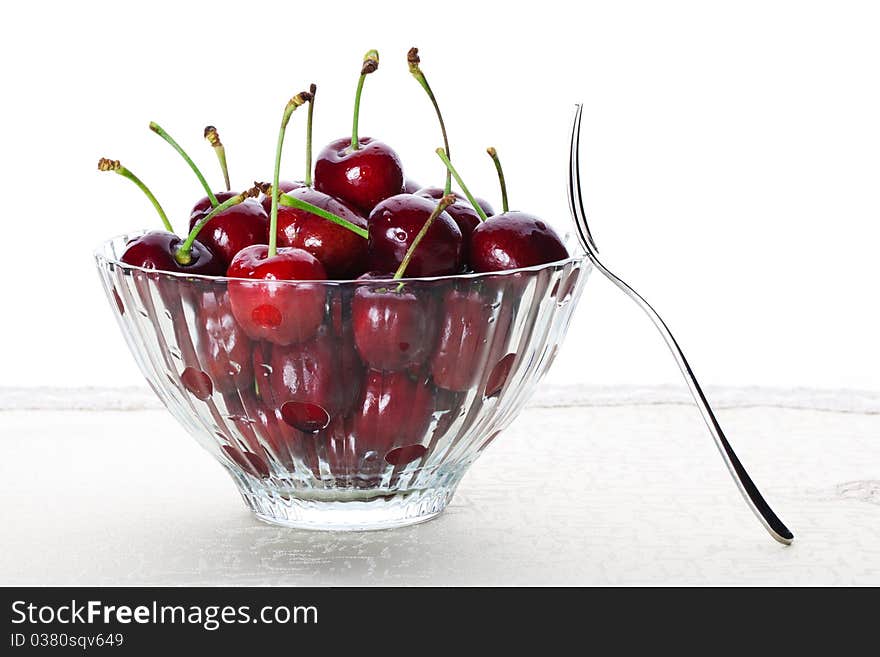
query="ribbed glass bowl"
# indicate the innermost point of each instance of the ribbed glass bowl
(312, 436)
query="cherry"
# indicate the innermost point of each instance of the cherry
(463, 213)
(309, 382)
(284, 187)
(512, 240)
(201, 209)
(328, 228)
(230, 237)
(472, 338)
(394, 224)
(393, 410)
(509, 240)
(269, 305)
(393, 329)
(223, 347)
(166, 251)
(342, 251)
(157, 249)
(462, 204)
(410, 186)
(394, 322)
(230, 231)
(461, 341)
(163, 250)
(363, 176)
(360, 171)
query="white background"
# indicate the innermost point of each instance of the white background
(732, 159)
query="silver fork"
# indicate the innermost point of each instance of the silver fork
(750, 492)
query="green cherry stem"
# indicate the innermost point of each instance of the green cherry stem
(213, 138)
(297, 101)
(312, 90)
(297, 203)
(444, 203)
(105, 164)
(494, 155)
(192, 165)
(470, 197)
(183, 254)
(412, 58)
(371, 63)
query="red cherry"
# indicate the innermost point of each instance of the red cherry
(342, 252)
(410, 186)
(461, 204)
(309, 384)
(393, 410)
(461, 343)
(393, 330)
(223, 348)
(156, 249)
(267, 306)
(462, 212)
(361, 177)
(474, 329)
(512, 240)
(284, 186)
(203, 206)
(394, 224)
(232, 230)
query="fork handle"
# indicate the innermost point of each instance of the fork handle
(747, 487)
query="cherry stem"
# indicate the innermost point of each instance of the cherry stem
(371, 63)
(470, 197)
(297, 203)
(192, 165)
(105, 164)
(183, 254)
(412, 58)
(213, 138)
(312, 90)
(444, 203)
(494, 155)
(297, 101)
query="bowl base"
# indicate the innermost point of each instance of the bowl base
(381, 511)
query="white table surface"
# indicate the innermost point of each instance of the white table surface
(587, 487)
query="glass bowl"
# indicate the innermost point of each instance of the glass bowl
(366, 404)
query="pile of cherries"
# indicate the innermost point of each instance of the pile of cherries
(359, 218)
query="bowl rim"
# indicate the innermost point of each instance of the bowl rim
(101, 256)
